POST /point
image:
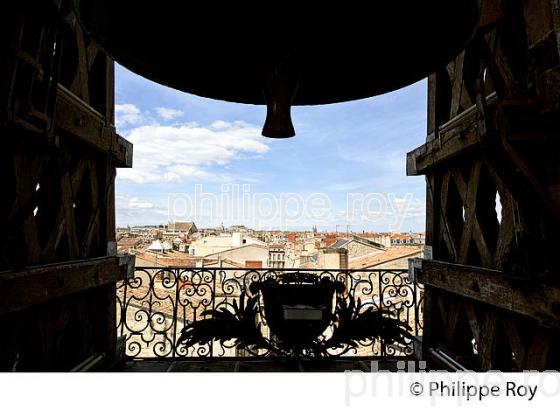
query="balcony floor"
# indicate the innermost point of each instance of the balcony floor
(264, 365)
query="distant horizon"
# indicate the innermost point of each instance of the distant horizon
(319, 229)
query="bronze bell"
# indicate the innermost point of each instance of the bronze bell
(285, 56)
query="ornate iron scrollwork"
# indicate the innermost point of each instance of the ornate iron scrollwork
(157, 306)
(307, 315)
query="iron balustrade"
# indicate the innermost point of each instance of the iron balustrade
(156, 304)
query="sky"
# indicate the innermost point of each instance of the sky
(205, 160)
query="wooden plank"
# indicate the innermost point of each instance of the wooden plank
(109, 214)
(69, 220)
(515, 342)
(457, 87)
(448, 236)
(486, 341)
(537, 355)
(432, 92)
(451, 321)
(454, 137)
(81, 121)
(25, 288)
(110, 91)
(80, 83)
(536, 300)
(93, 225)
(472, 318)
(107, 297)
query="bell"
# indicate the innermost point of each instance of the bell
(285, 56)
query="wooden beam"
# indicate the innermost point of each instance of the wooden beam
(432, 94)
(487, 340)
(536, 300)
(77, 118)
(29, 287)
(457, 86)
(454, 137)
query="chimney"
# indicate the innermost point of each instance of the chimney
(253, 264)
(237, 239)
(335, 258)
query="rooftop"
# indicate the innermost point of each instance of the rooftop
(389, 255)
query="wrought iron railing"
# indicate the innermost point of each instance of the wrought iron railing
(155, 305)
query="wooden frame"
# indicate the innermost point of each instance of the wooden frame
(493, 193)
(58, 268)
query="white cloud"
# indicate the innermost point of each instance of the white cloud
(219, 125)
(134, 210)
(127, 114)
(169, 113)
(129, 203)
(165, 153)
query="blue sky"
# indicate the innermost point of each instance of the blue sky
(204, 160)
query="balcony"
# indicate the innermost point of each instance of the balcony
(156, 304)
